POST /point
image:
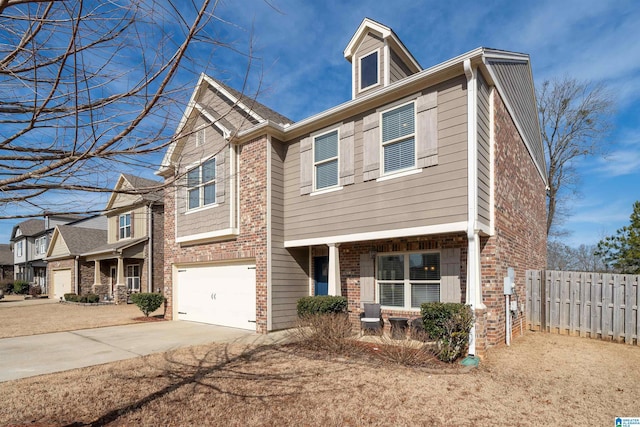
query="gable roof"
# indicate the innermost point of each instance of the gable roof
(147, 190)
(78, 240)
(6, 256)
(520, 103)
(257, 112)
(115, 247)
(28, 228)
(387, 34)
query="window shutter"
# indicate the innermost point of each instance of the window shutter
(371, 142)
(306, 166)
(367, 280)
(117, 228)
(132, 221)
(427, 131)
(221, 175)
(450, 275)
(347, 140)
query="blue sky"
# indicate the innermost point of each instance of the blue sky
(302, 71)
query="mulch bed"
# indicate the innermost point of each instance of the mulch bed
(158, 318)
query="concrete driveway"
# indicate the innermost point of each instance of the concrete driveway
(22, 357)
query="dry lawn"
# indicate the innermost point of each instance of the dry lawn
(19, 318)
(541, 380)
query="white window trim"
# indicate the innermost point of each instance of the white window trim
(19, 249)
(378, 82)
(317, 190)
(127, 277)
(384, 173)
(120, 228)
(406, 281)
(41, 245)
(201, 186)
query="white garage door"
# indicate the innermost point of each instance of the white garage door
(221, 295)
(61, 283)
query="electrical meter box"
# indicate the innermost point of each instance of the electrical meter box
(510, 281)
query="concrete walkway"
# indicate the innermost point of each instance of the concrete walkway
(22, 357)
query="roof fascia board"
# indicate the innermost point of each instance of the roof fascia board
(510, 109)
(235, 100)
(359, 104)
(365, 26)
(225, 132)
(114, 194)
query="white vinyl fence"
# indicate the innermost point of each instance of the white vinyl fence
(594, 305)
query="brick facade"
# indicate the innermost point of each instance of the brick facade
(251, 243)
(350, 265)
(520, 225)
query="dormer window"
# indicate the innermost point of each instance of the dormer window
(369, 70)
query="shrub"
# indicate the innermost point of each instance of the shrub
(325, 331)
(322, 304)
(71, 297)
(6, 286)
(20, 287)
(35, 290)
(449, 325)
(89, 298)
(147, 302)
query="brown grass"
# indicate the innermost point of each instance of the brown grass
(32, 318)
(541, 380)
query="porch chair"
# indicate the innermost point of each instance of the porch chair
(371, 318)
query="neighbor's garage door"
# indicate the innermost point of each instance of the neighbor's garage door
(61, 283)
(221, 295)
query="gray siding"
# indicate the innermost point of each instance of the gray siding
(437, 195)
(398, 70)
(368, 45)
(289, 268)
(484, 149)
(517, 83)
(209, 219)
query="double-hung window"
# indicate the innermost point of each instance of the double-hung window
(407, 280)
(124, 226)
(133, 278)
(399, 139)
(369, 70)
(41, 245)
(325, 160)
(19, 249)
(201, 185)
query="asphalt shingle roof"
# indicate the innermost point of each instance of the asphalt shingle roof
(80, 240)
(142, 184)
(30, 227)
(6, 256)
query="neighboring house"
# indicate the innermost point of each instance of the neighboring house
(30, 240)
(6, 263)
(426, 186)
(125, 256)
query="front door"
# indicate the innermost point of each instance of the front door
(321, 275)
(114, 279)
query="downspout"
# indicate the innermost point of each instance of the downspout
(150, 248)
(474, 291)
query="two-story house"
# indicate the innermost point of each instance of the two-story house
(123, 257)
(30, 240)
(428, 185)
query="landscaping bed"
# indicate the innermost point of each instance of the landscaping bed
(542, 379)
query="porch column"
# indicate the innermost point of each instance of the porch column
(96, 273)
(334, 270)
(121, 280)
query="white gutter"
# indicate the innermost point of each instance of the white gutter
(150, 248)
(474, 291)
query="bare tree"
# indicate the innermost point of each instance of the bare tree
(90, 86)
(575, 119)
(566, 258)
